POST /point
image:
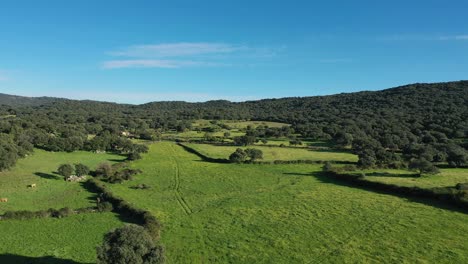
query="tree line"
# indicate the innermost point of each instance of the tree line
(393, 127)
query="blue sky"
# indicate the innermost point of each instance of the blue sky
(140, 51)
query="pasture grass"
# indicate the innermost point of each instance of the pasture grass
(446, 177)
(236, 213)
(52, 190)
(276, 153)
(52, 240)
(239, 124)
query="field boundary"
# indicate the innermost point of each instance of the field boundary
(449, 195)
(273, 162)
(142, 217)
(48, 213)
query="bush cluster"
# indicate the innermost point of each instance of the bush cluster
(56, 213)
(145, 218)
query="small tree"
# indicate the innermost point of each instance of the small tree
(423, 166)
(226, 134)
(134, 156)
(264, 141)
(104, 170)
(129, 244)
(66, 170)
(254, 154)
(238, 156)
(327, 167)
(81, 169)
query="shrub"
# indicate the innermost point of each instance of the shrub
(129, 244)
(327, 166)
(238, 156)
(254, 154)
(104, 170)
(66, 170)
(105, 207)
(81, 169)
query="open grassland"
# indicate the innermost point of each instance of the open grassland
(51, 191)
(52, 240)
(232, 213)
(446, 178)
(190, 134)
(276, 153)
(238, 124)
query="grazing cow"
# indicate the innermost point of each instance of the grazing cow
(32, 185)
(3, 200)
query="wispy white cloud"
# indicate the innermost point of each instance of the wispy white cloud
(420, 37)
(455, 37)
(168, 64)
(335, 60)
(186, 54)
(182, 49)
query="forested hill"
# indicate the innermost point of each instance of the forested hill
(14, 100)
(429, 120)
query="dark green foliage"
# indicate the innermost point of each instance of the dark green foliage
(134, 156)
(57, 213)
(81, 169)
(457, 156)
(423, 166)
(245, 140)
(105, 206)
(8, 152)
(327, 166)
(66, 170)
(254, 154)
(421, 120)
(104, 170)
(129, 244)
(238, 156)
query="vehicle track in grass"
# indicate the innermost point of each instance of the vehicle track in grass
(176, 188)
(185, 206)
(339, 246)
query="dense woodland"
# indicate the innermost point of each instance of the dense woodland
(415, 125)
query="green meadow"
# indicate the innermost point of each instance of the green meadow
(276, 153)
(238, 124)
(240, 213)
(52, 240)
(446, 177)
(52, 190)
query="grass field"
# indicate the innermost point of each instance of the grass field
(446, 178)
(276, 153)
(54, 240)
(231, 213)
(51, 191)
(239, 124)
(198, 135)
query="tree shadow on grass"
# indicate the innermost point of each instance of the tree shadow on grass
(17, 259)
(48, 176)
(395, 175)
(322, 177)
